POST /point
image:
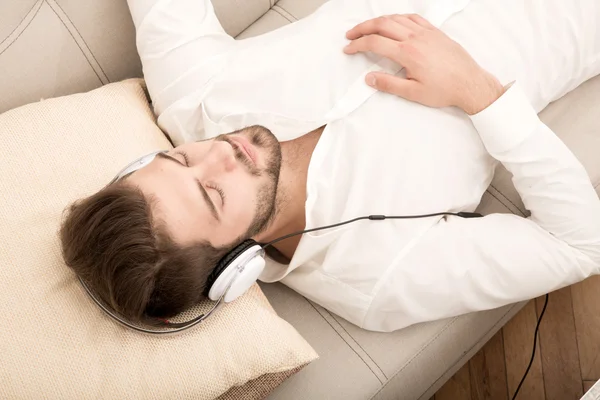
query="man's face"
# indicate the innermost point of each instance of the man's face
(217, 190)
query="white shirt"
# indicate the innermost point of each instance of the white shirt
(381, 154)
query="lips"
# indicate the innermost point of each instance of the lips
(246, 147)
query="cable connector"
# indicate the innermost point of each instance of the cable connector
(466, 214)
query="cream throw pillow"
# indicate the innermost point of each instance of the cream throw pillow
(55, 342)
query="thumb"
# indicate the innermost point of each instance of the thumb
(406, 88)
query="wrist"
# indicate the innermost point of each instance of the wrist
(483, 92)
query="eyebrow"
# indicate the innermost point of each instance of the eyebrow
(207, 199)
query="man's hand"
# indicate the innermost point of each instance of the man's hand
(439, 71)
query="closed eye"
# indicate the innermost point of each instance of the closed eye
(186, 163)
(186, 158)
(220, 191)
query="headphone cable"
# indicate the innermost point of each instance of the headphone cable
(463, 214)
(534, 344)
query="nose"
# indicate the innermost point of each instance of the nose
(221, 159)
(228, 156)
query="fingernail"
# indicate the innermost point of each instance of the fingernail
(371, 80)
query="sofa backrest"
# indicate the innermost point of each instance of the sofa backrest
(51, 48)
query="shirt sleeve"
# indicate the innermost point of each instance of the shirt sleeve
(466, 265)
(181, 44)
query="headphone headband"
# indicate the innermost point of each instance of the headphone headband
(136, 164)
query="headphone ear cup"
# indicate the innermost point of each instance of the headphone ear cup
(225, 261)
(245, 276)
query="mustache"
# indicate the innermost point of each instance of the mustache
(240, 155)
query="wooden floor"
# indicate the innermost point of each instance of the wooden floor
(567, 360)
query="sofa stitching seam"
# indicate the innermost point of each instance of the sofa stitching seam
(491, 328)
(503, 195)
(448, 325)
(21, 21)
(77, 43)
(24, 29)
(345, 341)
(277, 10)
(358, 344)
(431, 341)
(253, 22)
(501, 202)
(83, 40)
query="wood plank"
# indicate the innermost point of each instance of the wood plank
(518, 342)
(488, 371)
(458, 387)
(586, 307)
(558, 339)
(587, 385)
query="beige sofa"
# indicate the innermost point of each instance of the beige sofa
(50, 48)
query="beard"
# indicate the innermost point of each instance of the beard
(266, 204)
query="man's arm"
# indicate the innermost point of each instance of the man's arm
(180, 43)
(466, 265)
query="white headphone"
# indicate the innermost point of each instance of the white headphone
(234, 274)
(240, 268)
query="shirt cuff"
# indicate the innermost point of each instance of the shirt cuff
(507, 122)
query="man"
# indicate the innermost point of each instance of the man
(354, 110)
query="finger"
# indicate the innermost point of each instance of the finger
(417, 19)
(406, 88)
(376, 44)
(409, 24)
(384, 26)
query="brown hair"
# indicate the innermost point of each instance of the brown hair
(112, 242)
